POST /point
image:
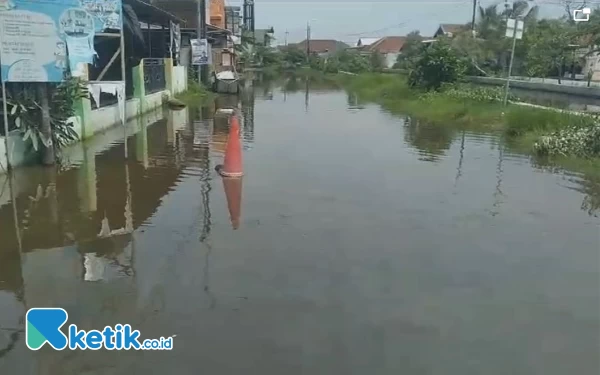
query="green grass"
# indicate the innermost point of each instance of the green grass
(195, 95)
(522, 125)
(521, 120)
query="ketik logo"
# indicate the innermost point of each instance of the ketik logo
(43, 326)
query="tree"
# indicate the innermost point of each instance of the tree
(477, 57)
(588, 33)
(549, 48)
(521, 9)
(377, 61)
(439, 64)
(412, 48)
(266, 56)
(490, 25)
(293, 55)
(348, 62)
(247, 54)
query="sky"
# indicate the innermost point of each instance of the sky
(349, 20)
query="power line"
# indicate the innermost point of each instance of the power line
(412, 18)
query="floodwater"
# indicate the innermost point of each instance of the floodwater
(368, 243)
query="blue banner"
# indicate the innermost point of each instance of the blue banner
(34, 35)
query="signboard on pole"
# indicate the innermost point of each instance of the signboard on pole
(200, 52)
(510, 28)
(35, 35)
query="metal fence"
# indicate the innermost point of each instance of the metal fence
(154, 75)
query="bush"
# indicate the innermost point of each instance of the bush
(478, 94)
(439, 64)
(520, 120)
(573, 141)
(293, 56)
(377, 61)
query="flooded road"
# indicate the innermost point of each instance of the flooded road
(368, 244)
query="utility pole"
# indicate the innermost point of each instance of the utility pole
(473, 21)
(512, 55)
(307, 42)
(201, 34)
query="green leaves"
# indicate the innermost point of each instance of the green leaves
(26, 112)
(548, 44)
(439, 64)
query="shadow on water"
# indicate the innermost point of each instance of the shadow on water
(432, 142)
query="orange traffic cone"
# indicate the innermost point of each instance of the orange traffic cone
(232, 166)
(233, 193)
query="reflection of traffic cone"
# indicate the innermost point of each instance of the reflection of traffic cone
(232, 166)
(233, 193)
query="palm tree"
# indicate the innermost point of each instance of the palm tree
(521, 9)
(490, 22)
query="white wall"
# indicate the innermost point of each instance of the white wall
(179, 79)
(107, 117)
(390, 59)
(592, 63)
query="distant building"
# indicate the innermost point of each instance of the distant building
(222, 56)
(322, 47)
(233, 20)
(263, 37)
(363, 42)
(449, 29)
(390, 47)
(217, 13)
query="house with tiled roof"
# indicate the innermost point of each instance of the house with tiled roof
(322, 47)
(364, 42)
(389, 47)
(449, 29)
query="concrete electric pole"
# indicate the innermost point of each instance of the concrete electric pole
(307, 42)
(201, 34)
(473, 20)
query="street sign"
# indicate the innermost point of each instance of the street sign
(510, 28)
(200, 52)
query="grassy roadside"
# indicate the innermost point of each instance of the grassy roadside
(551, 136)
(195, 95)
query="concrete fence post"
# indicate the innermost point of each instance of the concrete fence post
(83, 110)
(169, 76)
(139, 90)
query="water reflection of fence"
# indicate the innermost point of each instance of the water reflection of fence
(154, 75)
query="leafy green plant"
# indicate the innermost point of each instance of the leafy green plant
(572, 141)
(439, 64)
(477, 94)
(377, 61)
(25, 112)
(411, 51)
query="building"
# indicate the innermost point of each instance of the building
(221, 40)
(248, 14)
(449, 29)
(322, 47)
(389, 47)
(216, 9)
(263, 37)
(233, 20)
(363, 42)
